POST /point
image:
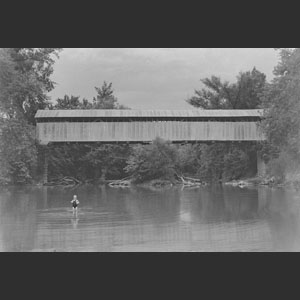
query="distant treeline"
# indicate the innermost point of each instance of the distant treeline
(25, 80)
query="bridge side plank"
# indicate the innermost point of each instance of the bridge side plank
(147, 131)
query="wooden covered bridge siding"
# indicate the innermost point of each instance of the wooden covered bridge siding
(145, 126)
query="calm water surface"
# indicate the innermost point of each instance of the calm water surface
(211, 218)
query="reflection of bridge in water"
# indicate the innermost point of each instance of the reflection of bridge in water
(143, 126)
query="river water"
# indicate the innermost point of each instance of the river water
(212, 218)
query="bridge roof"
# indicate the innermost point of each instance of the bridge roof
(114, 113)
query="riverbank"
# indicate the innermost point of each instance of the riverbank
(271, 181)
(290, 181)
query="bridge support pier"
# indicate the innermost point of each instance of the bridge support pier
(261, 165)
(45, 171)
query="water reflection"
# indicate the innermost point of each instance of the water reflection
(17, 220)
(74, 222)
(212, 218)
(282, 215)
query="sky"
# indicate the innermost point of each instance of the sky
(153, 78)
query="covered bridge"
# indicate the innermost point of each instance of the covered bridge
(143, 126)
(140, 126)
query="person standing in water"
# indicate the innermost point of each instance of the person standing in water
(75, 203)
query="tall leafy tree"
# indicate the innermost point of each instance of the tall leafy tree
(282, 102)
(26, 80)
(242, 94)
(18, 152)
(24, 84)
(282, 122)
(106, 99)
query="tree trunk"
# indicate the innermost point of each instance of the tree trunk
(103, 174)
(261, 165)
(45, 173)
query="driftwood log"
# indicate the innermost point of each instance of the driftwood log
(125, 182)
(188, 181)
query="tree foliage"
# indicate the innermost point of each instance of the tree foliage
(24, 84)
(18, 152)
(281, 100)
(243, 94)
(153, 161)
(71, 102)
(25, 80)
(105, 98)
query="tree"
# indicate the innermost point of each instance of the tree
(14, 86)
(282, 102)
(281, 99)
(25, 80)
(72, 102)
(18, 152)
(24, 83)
(67, 102)
(243, 94)
(105, 98)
